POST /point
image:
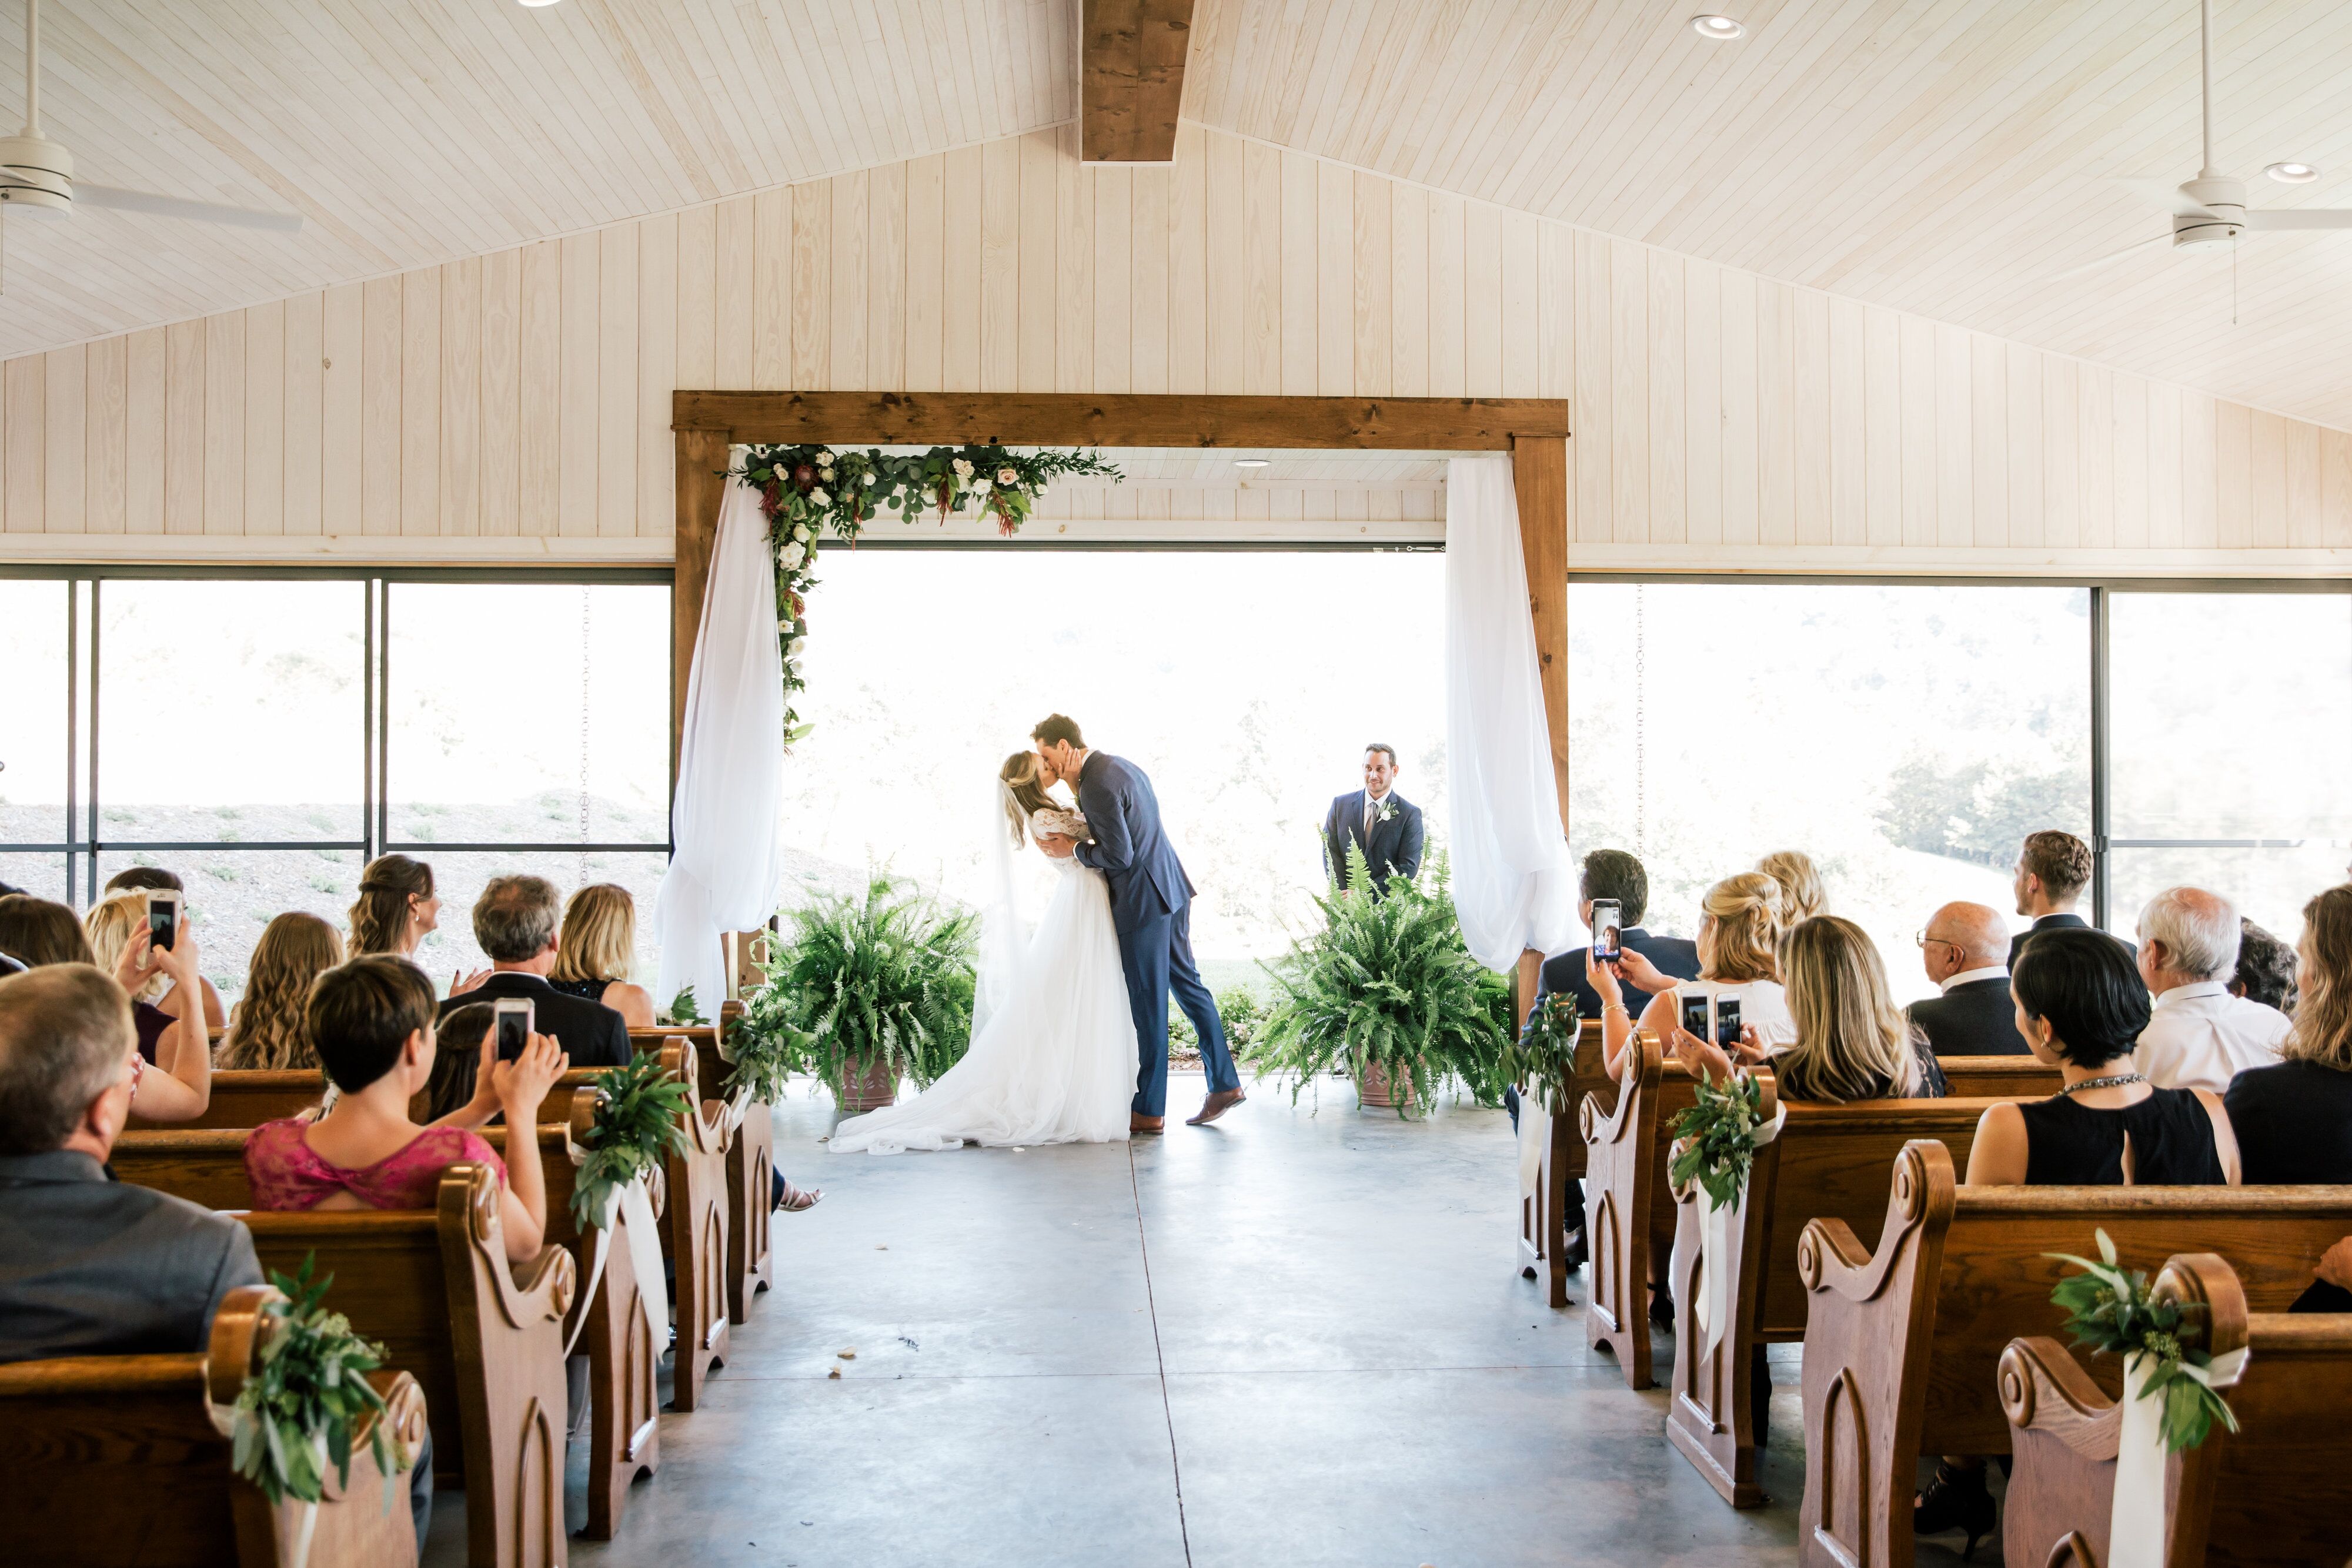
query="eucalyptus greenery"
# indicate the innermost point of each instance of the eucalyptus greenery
(1716, 1138)
(2110, 1310)
(810, 492)
(683, 1011)
(1386, 984)
(1543, 1057)
(639, 1121)
(761, 1044)
(883, 976)
(309, 1397)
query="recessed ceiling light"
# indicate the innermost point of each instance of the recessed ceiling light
(535, 4)
(1249, 462)
(2293, 173)
(1722, 29)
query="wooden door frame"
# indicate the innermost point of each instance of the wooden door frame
(1534, 431)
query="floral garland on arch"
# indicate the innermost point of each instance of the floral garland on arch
(808, 493)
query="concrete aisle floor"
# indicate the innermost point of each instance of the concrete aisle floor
(1290, 1338)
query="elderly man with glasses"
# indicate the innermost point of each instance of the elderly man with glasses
(1965, 949)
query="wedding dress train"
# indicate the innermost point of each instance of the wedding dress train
(1053, 1056)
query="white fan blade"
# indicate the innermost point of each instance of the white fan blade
(2107, 260)
(2299, 218)
(179, 207)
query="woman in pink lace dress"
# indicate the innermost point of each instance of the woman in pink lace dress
(371, 1021)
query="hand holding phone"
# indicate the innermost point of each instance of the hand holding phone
(514, 1017)
(164, 916)
(1607, 925)
(1726, 1023)
(1693, 1015)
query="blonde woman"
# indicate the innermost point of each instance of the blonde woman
(1803, 897)
(1739, 942)
(266, 1030)
(113, 925)
(109, 923)
(1852, 1042)
(595, 950)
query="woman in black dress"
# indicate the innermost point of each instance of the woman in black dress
(595, 949)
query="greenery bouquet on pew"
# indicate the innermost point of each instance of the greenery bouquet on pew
(304, 1407)
(638, 1123)
(1715, 1140)
(2110, 1308)
(882, 978)
(1543, 1057)
(1386, 984)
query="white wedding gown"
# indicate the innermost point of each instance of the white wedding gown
(1052, 1057)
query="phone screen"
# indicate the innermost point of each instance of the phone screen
(163, 921)
(1695, 1015)
(514, 1029)
(1606, 947)
(1727, 1021)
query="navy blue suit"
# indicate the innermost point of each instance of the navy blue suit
(1152, 906)
(1393, 849)
(1563, 973)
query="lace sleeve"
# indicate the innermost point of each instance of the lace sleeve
(1052, 820)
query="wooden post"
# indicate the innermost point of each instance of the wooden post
(1539, 474)
(701, 481)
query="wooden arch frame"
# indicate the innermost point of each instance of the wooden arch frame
(1534, 431)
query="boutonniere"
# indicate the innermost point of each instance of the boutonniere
(1387, 811)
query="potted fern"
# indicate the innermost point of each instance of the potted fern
(1388, 989)
(876, 986)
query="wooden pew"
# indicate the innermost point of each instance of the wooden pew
(750, 1157)
(115, 1458)
(1903, 1344)
(694, 1239)
(1829, 1161)
(483, 1339)
(1618, 1172)
(1543, 1204)
(247, 1098)
(1998, 1078)
(2276, 1492)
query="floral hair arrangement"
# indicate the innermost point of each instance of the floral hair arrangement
(808, 493)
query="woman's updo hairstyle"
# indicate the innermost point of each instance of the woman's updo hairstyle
(380, 917)
(1746, 913)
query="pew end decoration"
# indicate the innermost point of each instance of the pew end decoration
(811, 492)
(308, 1401)
(1716, 1138)
(1542, 1060)
(2115, 1311)
(1387, 988)
(683, 1012)
(874, 986)
(638, 1123)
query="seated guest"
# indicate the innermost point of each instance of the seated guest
(154, 878)
(1852, 1042)
(515, 922)
(2293, 1118)
(109, 928)
(2265, 968)
(90, 1265)
(38, 934)
(1965, 948)
(1739, 943)
(2081, 1006)
(456, 1059)
(2200, 1036)
(595, 951)
(1386, 824)
(1613, 874)
(1803, 895)
(397, 910)
(2052, 869)
(268, 1028)
(371, 1023)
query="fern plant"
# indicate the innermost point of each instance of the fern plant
(1388, 985)
(883, 978)
(637, 1124)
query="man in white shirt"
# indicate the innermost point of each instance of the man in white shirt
(2200, 1036)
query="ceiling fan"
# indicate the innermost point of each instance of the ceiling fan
(2210, 211)
(37, 174)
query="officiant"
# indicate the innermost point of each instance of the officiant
(1385, 822)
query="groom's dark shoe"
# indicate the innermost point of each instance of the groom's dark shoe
(1214, 1106)
(1138, 1122)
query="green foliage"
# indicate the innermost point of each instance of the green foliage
(309, 1397)
(1544, 1055)
(1386, 983)
(1237, 1008)
(886, 976)
(683, 1010)
(1967, 811)
(761, 1046)
(2111, 1310)
(1716, 1138)
(637, 1124)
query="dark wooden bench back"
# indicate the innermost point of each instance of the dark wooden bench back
(249, 1098)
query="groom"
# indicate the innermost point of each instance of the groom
(1152, 906)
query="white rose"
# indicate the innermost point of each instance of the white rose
(791, 555)
(826, 459)
(962, 469)
(1043, 492)
(793, 649)
(782, 550)
(782, 627)
(800, 532)
(825, 475)
(1007, 476)
(869, 480)
(819, 499)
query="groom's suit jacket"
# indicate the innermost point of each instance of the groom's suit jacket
(1393, 849)
(1130, 850)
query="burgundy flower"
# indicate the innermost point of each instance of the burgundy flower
(804, 476)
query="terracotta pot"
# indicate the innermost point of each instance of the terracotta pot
(1375, 1091)
(867, 1083)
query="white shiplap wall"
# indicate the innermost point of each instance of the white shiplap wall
(516, 405)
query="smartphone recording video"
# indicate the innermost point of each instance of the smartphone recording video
(1727, 1021)
(163, 917)
(514, 1020)
(1606, 928)
(1695, 1011)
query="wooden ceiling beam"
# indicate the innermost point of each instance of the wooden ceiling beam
(1131, 79)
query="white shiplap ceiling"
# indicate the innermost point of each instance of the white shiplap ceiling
(1939, 156)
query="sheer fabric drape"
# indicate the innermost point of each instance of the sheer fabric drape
(1513, 887)
(727, 868)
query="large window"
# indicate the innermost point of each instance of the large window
(263, 736)
(1906, 736)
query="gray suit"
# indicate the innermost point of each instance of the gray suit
(91, 1267)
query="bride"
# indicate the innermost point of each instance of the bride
(1053, 1044)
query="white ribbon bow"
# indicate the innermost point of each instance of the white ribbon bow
(2136, 1526)
(1714, 1303)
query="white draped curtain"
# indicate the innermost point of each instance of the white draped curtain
(1513, 887)
(727, 866)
